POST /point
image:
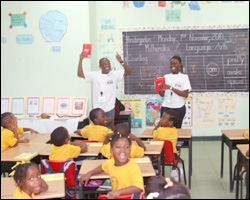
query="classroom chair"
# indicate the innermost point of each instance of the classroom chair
(70, 172)
(124, 196)
(169, 159)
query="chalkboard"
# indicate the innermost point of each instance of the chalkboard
(215, 60)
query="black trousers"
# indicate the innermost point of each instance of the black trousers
(181, 112)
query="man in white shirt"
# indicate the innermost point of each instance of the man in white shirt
(104, 83)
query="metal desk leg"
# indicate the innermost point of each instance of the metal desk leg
(230, 166)
(80, 191)
(222, 155)
(190, 163)
(237, 176)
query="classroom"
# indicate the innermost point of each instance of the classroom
(41, 51)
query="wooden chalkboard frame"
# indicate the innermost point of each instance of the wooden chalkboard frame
(135, 82)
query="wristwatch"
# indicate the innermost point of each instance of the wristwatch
(122, 63)
(171, 88)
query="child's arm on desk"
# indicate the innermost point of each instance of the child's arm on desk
(128, 190)
(80, 144)
(30, 129)
(138, 141)
(44, 186)
(84, 179)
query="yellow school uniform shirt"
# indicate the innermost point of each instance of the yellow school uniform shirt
(7, 138)
(19, 194)
(95, 132)
(136, 151)
(64, 152)
(246, 134)
(167, 133)
(123, 176)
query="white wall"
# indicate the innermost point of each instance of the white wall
(33, 69)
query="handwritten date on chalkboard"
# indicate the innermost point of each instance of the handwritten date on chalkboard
(214, 60)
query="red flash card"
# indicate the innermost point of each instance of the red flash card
(158, 82)
(87, 50)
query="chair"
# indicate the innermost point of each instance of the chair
(169, 159)
(70, 173)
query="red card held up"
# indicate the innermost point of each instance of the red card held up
(158, 82)
(87, 50)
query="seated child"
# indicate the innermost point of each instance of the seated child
(246, 134)
(61, 149)
(28, 179)
(10, 131)
(126, 177)
(136, 151)
(98, 130)
(165, 130)
(164, 188)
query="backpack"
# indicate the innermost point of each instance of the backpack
(118, 107)
(65, 168)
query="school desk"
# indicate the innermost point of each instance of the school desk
(154, 148)
(241, 157)
(94, 149)
(144, 164)
(185, 136)
(21, 152)
(231, 138)
(37, 138)
(48, 125)
(55, 182)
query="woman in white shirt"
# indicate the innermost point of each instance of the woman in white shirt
(175, 90)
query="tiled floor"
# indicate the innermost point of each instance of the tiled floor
(205, 181)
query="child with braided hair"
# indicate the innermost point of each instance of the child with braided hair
(137, 151)
(165, 188)
(28, 179)
(125, 174)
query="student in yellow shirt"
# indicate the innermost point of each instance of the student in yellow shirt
(246, 134)
(62, 150)
(28, 179)
(10, 131)
(137, 151)
(165, 130)
(125, 175)
(98, 130)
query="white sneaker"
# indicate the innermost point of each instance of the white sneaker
(174, 174)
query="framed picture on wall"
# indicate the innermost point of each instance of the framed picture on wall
(63, 106)
(5, 105)
(79, 106)
(49, 105)
(33, 105)
(17, 107)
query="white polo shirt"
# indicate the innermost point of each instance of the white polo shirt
(104, 88)
(178, 81)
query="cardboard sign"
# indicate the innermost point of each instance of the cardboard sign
(158, 82)
(87, 50)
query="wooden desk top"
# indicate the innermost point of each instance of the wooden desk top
(37, 138)
(22, 152)
(243, 148)
(235, 134)
(56, 187)
(94, 149)
(75, 135)
(152, 147)
(145, 165)
(182, 133)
